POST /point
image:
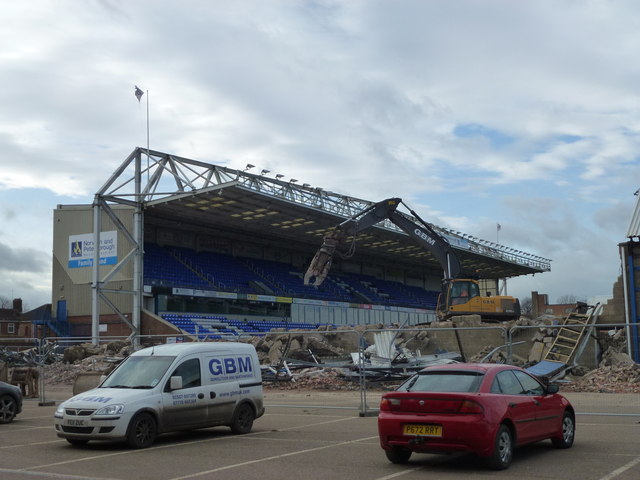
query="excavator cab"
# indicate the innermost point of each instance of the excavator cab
(463, 297)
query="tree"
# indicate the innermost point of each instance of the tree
(526, 307)
(5, 302)
(564, 299)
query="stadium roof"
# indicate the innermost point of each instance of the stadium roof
(200, 197)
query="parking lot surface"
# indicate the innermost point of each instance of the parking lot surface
(315, 435)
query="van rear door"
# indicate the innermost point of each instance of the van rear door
(225, 372)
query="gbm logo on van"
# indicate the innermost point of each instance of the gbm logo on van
(230, 366)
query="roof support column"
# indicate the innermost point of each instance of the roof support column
(138, 233)
(95, 282)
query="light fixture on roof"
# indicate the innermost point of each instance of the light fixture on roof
(248, 167)
(305, 185)
(279, 176)
(293, 180)
(264, 171)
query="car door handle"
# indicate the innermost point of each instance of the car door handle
(512, 405)
(537, 402)
(212, 395)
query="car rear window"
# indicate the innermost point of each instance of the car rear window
(468, 382)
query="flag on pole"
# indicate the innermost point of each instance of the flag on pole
(138, 93)
(498, 226)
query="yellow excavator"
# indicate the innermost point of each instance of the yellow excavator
(459, 296)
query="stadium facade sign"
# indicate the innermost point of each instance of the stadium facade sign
(82, 249)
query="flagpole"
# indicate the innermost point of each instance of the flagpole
(147, 137)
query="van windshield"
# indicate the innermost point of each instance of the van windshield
(139, 372)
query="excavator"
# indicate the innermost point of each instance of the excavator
(459, 296)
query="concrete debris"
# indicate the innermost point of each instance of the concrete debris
(323, 360)
(66, 373)
(317, 378)
(620, 378)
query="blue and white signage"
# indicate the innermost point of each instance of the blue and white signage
(82, 248)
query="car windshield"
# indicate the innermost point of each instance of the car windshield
(449, 381)
(139, 372)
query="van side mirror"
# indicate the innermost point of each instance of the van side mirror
(175, 383)
(553, 388)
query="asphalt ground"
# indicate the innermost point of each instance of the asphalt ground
(316, 435)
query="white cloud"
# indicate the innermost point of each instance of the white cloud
(367, 98)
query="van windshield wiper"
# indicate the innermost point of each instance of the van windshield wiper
(116, 386)
(143, 387)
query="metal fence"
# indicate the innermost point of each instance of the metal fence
(371, 360)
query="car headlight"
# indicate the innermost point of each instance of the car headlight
(111, 410)
(59, 411)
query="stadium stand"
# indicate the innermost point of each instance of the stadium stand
(185, 268)
(219, 326)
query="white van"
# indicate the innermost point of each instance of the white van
(166, 388)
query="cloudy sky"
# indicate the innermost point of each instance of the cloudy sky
(525, 114)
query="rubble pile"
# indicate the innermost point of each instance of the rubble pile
(617, 373)
(61, 373)
(620, 378)
(500, 356)
(316, 379)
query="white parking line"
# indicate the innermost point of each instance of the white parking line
(399, 474)
(30, 444)
(172, 445)
(274, 457)
(622, 469)
(38, 475)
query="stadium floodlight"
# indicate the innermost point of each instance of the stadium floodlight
(264, 171)
(305, 185)
(248, 167)
(293, 180)
(279, 176)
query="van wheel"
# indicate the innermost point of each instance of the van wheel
(77, 442)
(8, 409)
(142, 431)
(243, 419)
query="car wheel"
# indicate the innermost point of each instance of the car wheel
(502, 454)
(77, 442)
(8, 409)
(142, 431)
(398, 455)
(243, 419)
(568, 432)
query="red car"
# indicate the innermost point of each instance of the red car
(485, 409)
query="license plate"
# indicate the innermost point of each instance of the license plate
(72, 422)
(423, 430)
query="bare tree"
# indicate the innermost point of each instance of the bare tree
(565, 299)
(526, 307)
(5, 302)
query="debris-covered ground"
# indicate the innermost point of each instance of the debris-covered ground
(616, 373)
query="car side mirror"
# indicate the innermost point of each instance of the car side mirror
(553, 388)
(175, 383)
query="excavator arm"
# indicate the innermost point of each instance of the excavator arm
(422, 233)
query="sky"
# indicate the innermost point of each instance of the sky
(476, 113)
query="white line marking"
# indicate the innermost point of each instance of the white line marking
(30, 444)
(173, 445)
(399, 474)
(622, 469)
(274, 457)
(38, 475)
